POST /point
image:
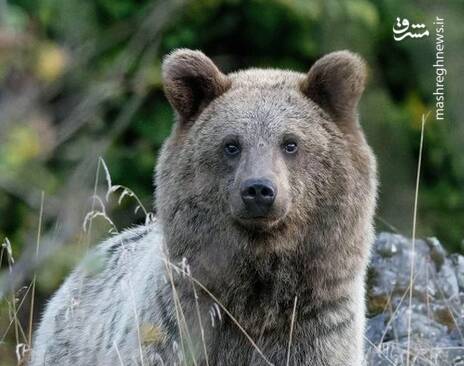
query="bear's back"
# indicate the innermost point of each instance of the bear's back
(91, 318)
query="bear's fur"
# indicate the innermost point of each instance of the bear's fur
(209, 283)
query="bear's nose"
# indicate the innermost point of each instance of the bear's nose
(258, 195)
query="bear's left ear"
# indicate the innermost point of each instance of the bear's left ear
(191, 81)
(335, 82)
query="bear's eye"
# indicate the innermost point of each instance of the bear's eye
(290, 147)
(232, 148)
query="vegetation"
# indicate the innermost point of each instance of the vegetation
(81, 79)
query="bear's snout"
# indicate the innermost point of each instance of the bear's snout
(258, 196)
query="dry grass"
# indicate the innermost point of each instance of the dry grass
(392, 353)
(414, 221)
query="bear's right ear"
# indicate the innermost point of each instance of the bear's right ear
(191, 81)
(336, 82)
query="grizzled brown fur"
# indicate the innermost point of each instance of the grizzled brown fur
(297, 139)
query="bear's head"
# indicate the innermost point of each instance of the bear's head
(263, 158)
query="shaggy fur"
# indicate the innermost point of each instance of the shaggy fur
(133, 309)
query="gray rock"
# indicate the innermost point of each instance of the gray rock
(435, 319)
(447, 281)
(458, 262)
(437, 252)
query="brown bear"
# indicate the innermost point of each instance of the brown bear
(265, 196)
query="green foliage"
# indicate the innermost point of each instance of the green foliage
(93, 71)
(283, 33)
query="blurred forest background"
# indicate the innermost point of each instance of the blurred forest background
(81, 79)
